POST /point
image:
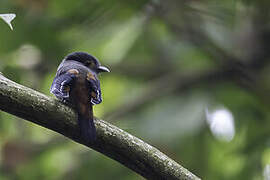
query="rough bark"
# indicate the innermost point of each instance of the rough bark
(111, 141)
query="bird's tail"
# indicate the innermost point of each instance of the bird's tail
(87, 126)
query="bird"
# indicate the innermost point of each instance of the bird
(76, 83)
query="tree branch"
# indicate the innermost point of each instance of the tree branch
(111, 141)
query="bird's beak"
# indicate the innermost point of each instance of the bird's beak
(103, 69)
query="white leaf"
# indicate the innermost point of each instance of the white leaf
(8, 18)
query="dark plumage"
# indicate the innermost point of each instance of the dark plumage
(76, 81)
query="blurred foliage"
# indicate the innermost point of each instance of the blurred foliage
(171, 62)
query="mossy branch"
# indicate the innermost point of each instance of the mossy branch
(115, 143)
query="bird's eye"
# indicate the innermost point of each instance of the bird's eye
(90, 64)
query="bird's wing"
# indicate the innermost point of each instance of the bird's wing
(61, 85)
(94, 86)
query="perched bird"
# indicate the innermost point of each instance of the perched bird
(76, 82)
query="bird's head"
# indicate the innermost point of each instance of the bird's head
(87, 60)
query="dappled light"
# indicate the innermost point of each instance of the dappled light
(221, 123)
(266, 172)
